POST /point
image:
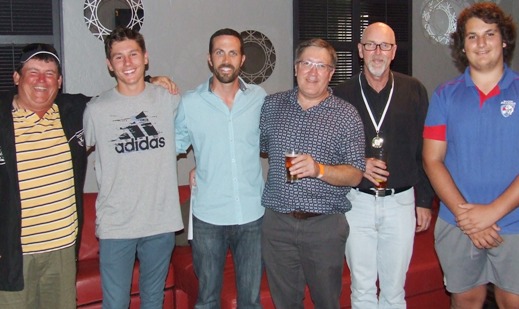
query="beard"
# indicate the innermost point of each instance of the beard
(228, 77)
(377, 70)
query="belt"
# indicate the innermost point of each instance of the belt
(384, 192)
(303, 215)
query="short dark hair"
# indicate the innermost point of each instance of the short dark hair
(227, 31)
(120, 34)
(490, 13)
(39, 51)
(316, 42)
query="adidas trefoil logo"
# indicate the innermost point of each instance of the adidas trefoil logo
(139, 135)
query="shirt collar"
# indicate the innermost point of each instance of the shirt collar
(241, 83)
(508, 77)
(327, 102)
(52, 113)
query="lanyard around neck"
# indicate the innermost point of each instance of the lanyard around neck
(379, 124)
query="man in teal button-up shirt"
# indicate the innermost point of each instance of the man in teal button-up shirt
(220, 119)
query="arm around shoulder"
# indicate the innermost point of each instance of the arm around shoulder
(182, 139)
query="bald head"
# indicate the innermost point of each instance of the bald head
(379, 32)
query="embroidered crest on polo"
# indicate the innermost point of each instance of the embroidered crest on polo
(507, 108)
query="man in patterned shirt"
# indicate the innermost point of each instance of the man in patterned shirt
(304, 229)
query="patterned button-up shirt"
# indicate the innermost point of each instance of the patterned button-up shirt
(331, 132)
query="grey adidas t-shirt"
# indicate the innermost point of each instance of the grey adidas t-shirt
(135, 162)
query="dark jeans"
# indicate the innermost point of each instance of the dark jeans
(210, 244)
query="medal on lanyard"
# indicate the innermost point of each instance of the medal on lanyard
(377, 141)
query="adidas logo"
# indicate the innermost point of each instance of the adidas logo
(140, 134)
(140, 144)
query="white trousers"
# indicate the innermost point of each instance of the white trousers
(380, 246)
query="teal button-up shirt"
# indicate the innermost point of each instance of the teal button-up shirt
(225, 142)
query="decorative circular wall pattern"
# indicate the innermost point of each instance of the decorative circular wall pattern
(129, 13)
(260, 58)
(439, 18)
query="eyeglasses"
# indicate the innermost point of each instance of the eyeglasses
(370, 46)
(306, 65)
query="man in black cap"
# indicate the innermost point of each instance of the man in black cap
(42, 169)
(42, 173)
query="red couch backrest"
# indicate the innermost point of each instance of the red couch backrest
(89, 248)
(184, 193)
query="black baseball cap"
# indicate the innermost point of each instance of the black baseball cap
(31, 50)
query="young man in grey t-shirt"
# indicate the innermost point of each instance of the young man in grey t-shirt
(137, 208)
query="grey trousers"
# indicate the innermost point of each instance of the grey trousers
(299, 252)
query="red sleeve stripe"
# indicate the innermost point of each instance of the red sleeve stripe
(435, 132)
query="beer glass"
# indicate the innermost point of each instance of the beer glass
(380, 154)
(289, 155)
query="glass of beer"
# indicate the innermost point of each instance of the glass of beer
(381, 155)
(289, 155)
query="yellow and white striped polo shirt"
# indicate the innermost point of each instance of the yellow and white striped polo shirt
(49, 218)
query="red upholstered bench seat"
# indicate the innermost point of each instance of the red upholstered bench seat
(424, 285)
(186, 289)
